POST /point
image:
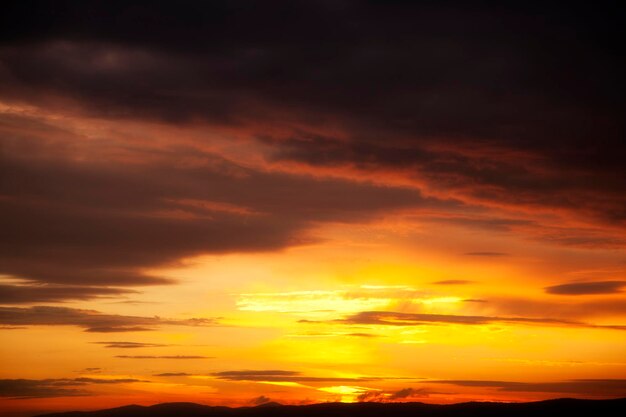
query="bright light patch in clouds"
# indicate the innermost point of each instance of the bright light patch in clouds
(362, 298)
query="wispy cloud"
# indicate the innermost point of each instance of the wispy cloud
(390, 318)
(574, 386)
(129, 345)
(90, 320)
(276, 375)
(585, 288)
(164, 357)
(62, 387)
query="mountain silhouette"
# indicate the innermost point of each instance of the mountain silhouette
(565, 407)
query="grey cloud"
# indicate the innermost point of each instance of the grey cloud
(574, 386)
(90, 320)
(43, 388)
(391, 318)
(465, 99)
(408, 392)
(584, 288)
(163, 357)
(98, 225)
(112, 329)
(27, 388)
(387, 396)
(21, 294)
(262, 399)
(129, 345)
(279, 375)
(488, 254)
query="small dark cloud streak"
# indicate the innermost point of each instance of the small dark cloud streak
(280, 375)
(453, 282)
(391, 318)
(587, 288)
(129, 345)
(22, 294)
(574, 386)
(486, 254)
(48, 388)
(183, 357)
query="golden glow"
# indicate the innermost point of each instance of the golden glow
(373, 305)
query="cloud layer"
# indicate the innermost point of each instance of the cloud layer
(90, 320)
(61, 387)
(584, 288)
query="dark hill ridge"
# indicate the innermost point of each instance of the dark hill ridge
(565, 407)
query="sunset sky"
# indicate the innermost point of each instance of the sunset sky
(237, 202)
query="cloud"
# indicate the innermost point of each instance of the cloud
(407, 393)
(584, 288)
(492, 130)
(128, 345)
(577, 309)
(487, 254)
(575, 386)
(21, 294)
(262, 399)
(90, 320)
(392, 396)
(163, 357)
(45, 388)
(391, 318)
(98, 226)
(27, 388)
(275, 375)
(171, 374)
(453, 282)
(111, 329)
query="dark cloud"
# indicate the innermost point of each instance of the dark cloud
(68, 223)
(129, 345)
(391, 396)
(501, 106)
(408, 393)
(584, 288)
(28, 388)
(575, 386)
(111, 329)
(486, 254)
(453, 282)
(42, 388)
(90, 320)
(457, 101)
(103, 381)
(163, 357)
(21, 294)
(262, 399)
(279, 375)
(577, 309)
(390, 318)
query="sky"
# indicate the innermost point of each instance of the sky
(238, 202)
